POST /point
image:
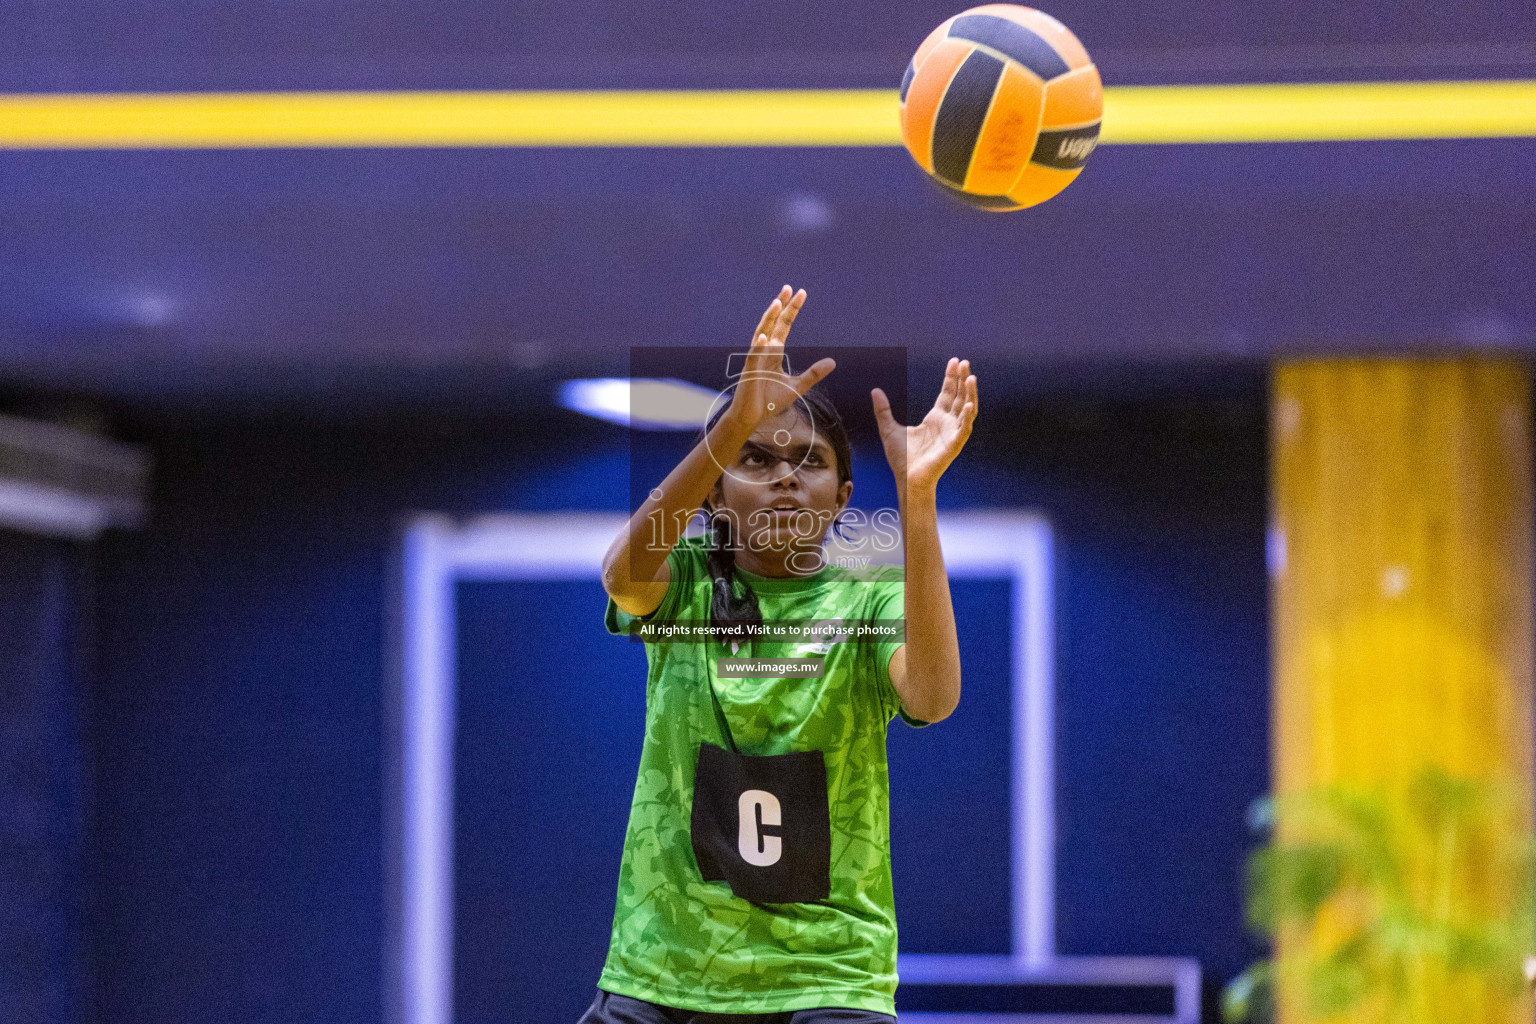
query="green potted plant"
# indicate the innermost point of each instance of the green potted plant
(1406, 904)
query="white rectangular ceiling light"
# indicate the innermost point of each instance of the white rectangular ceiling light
(60, 482)
(644, 403)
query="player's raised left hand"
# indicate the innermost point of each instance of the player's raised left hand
(919, 454)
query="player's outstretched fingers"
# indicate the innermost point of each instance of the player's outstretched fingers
(757, 357)
(787, 315)
(817, 371)
(883, 418)
(967, 417)
(946, 400)
(770, 317)
(771, 314)
(962, 371)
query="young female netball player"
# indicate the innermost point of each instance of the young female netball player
(755, 884)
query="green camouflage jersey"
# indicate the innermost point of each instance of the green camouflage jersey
(681, 941)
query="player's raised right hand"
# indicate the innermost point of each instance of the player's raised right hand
(763, 387)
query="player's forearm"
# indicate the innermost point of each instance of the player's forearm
(657, 525)
(933, 649)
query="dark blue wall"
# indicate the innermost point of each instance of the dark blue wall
(236, 723)
(44, 655)
(93, 45)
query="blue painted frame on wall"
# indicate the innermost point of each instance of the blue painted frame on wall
(436, 554)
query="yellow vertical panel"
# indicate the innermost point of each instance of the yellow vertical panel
(1401, 504)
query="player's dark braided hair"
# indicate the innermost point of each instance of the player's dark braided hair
(727, 609)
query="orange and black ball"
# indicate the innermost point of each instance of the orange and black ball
(1001, 105)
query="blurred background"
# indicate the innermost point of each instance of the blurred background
(1272, 399)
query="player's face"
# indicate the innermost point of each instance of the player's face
(783, 488)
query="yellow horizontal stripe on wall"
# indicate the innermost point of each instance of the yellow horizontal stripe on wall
(826, 117)
(1320, 112)
(844, 117)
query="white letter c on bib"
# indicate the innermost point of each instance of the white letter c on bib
(747, 836)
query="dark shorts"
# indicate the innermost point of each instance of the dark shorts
(612, 1008)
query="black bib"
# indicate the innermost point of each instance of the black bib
(761, 823)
